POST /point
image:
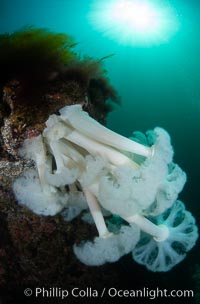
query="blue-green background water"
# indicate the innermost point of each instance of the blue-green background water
(158, 85)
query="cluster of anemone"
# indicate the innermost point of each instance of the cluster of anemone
(81, 167)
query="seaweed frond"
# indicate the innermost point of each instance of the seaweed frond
(35, 53)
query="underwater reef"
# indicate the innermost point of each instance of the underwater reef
(64, 177)
(42, 73)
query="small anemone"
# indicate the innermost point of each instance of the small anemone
(109, 249)
(162, 256)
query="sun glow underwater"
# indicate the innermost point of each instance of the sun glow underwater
(134, 22)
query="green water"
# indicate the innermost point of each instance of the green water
(158, 85)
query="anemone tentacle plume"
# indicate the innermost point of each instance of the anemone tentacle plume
(82, 166)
